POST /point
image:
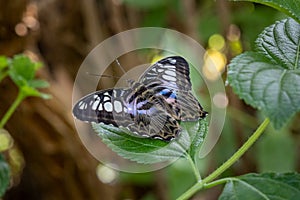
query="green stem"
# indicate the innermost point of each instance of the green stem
(194, 167)
(191, 191)
(202, 185)
(217, 182)
(228, 163)
(12, 109)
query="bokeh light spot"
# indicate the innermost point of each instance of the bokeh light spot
(220, 100)
(106, 174)
(21, 29)
(6, 141)
(214, 64)
(216, 42)
(31, 22)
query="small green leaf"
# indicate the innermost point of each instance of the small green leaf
(291, 7)
(44, 95)
(271, 186)
(198, 139)
(37, 83)
(22, 69)
(269, 80)
(4, 175)
(3, 62)
(30, 91)
(146, 150)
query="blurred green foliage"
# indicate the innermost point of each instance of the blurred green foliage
(21, 70)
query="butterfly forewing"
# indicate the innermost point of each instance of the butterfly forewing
(171, 71)
(101, 106)
(170, 78)
(151, 107)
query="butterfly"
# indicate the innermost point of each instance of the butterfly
(151, 107)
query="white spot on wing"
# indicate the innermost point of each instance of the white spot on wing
(118, 106)
(114, 93)
(153, 69)
(172, 61)
(81, 105)
(95, 105)
(108, 106)
(170, 66)
(100, 107)
(106, 98)
(169, 78)
(170, 72)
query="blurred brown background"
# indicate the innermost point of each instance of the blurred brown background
(60, 33)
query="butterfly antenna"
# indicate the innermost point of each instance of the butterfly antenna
(120, 66)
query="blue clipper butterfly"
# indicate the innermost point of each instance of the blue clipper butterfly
(151, 107)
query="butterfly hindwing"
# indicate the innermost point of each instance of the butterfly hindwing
(157, 123)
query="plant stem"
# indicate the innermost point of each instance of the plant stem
(217, 182)
(227, 164)
(191, 191)
(194, 167)
(12, 108)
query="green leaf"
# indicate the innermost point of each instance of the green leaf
(30, 91)
(3, 62)
(22, 70)
(280, 43)
(271, 186)
(198, 139)
(4, 175)
(37, 83)
(44, 95)
(127, 140)
(269, 79)
(146, 150)
(291, 7)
